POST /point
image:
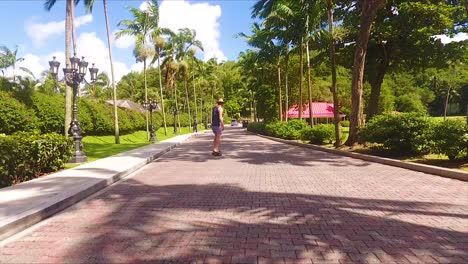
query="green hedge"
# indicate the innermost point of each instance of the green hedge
(25, 155)
(319, 134)
(450, 137)
(408, 133)
(14, 115)
(46, 114)
(287, 130)
(257, 127)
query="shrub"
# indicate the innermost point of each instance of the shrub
(15, 116)
(286, 130)
(257, 127)
(24, 155)
(319, 134)
(407, 133)
(50, 112)
(450, 137)
(344, 123)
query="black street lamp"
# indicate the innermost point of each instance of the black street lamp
(74, 75)
(175, 113)
(151, 105)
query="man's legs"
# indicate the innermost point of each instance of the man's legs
(216, 142)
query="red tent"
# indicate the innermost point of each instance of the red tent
(319, 110)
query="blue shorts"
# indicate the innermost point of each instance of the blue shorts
(217, 130)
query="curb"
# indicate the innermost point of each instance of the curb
(443, 172)
(33, 216)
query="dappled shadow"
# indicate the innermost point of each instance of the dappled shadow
(238, 144)
(134, 222)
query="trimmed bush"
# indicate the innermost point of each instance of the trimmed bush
(286, 130)
(450, 137)
(257, 127)
(25, 155)
(15, 116)
(50, 111)
(344, 123)
(407, 133)
(319, 134)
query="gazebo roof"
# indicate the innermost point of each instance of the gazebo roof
(319, 109)
(127, 104)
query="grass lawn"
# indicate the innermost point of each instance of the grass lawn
(98, 147)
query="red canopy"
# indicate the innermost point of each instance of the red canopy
(319, 109)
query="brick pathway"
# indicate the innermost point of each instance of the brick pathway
(263, 202)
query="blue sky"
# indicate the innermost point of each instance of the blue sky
(40, 34)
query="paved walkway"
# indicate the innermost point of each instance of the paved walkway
(262, 202)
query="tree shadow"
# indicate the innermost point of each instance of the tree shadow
(134, 222)
(238, 144)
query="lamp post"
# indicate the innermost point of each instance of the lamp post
(175, 113)
(74, 74)
(151, 105)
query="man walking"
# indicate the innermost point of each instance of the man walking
(217, 125)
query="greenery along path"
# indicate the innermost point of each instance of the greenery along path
(261, 202)
(98, 147)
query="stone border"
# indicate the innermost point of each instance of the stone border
(444, 172)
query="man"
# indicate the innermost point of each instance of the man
(217, 125)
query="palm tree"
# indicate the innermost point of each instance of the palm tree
(185, 40)
(143, 23)
(8, 58)
(159, 44)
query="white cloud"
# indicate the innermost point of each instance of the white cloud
(202, 17)
(123, 42)
(89, 45)
(40, 32)
(95, 51)
(457, 38)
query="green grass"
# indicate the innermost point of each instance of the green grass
(98, 147)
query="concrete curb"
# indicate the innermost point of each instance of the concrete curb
(443, 172)
(14, 223)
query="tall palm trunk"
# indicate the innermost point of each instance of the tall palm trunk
(280, 99)
(146, 97)
(286, 83)
(187, 99)
(301, 62)
(334, 89)
(68, 89)
(369, 12)
(114, 89)
(309, 88)
(195, 95)
(162, 96)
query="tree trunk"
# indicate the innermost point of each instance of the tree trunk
(68, 89)
(334, 89)
(369, 12)
(195, 97)
(280, 99)
(162, 95)
(188, 103)
(146, 98)
(114, 89)
(286, 84)
(309, 88)
(301, 62)
(377, 80)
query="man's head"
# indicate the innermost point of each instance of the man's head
(220, 101)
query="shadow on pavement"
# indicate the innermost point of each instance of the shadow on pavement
(238, 144)
(137, 223)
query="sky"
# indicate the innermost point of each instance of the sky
(40, 34)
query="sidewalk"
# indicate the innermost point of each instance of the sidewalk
(25, 204)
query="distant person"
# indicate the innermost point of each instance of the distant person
(217, 125)
(195, 126)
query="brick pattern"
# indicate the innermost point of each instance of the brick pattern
(262, 202)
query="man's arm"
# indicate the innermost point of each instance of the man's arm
(221, 117)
